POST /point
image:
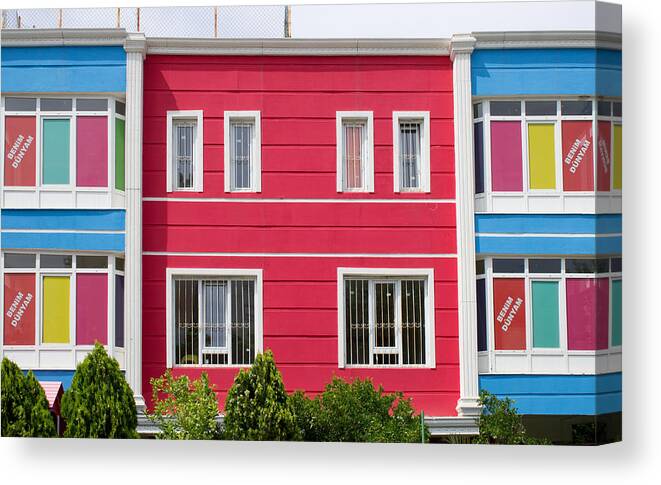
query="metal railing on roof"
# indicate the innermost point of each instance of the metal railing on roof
(228, 22)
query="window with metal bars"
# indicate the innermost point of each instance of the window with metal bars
(214, 321)
(241, 153)
(410, 134)
(385, 321)
(184, 153)
(354, 154)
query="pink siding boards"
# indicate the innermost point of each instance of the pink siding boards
(506, 165)
(587, 313)
(92, 151)
(298, 98)
(91, 308)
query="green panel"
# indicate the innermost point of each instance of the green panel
(545, 316)
(616, 299)
(119, 154)
(56, 151)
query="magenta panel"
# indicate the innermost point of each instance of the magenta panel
(91, 308)
(92, 151)
(506, 164)
(587, 313)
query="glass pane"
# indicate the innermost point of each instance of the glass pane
(91, 308)
(477, 110)
(119, 154)
(604, 156)
(120, 108)
(83, 104)
(92, 151)
(215, 325)
(481, 315)
(580, 266)
(545, 314)
(353, 134)
(384, 315)
(356, 316)
(617, 110)
(541, 108)
(479, 266)
(577, 159)
(184, 133)
(506, 165)
(119, 311)
(19, 309)
(616, 308)
(478, 138)
(509, 313)
(409, 154)
(14, 260)
(508, 265)
(119, 264)
(243, 322)
(604, 108)
(100, 262)
(55, 309)
(55, 151)
(617, 157)
(544, 265)
(541, 155)
(241, 134)
(587, 313)
(20, 104)
(186, 322)
(616, 265)
(55, 261)
(20, 150)
(576, 107)
(413, 322)
(505, 108)
(55, 104)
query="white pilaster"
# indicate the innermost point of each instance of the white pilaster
(135, 47)
(461, 47)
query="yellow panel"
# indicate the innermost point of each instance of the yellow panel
(617, 156)
(56, 310)
(541, 155)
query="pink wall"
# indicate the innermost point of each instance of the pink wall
(587, 313)
(91, 308)
(92, 151)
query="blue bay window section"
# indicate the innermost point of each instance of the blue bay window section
(83, 69)
(557, 72)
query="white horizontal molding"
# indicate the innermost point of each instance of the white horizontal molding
(302, 255)
(43, 37)
(352, 200)
(550, 39)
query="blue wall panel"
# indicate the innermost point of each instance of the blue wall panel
(64, 219)
(539, 245)
(558, 394)
(64, 69)
(65, 241)
(63, 376)
(516, 72)
(548, 223)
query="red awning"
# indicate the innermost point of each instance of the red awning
(54, 391)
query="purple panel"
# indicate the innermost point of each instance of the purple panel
(506, 162)
(587, 313)
(92, 151)
(91, 308)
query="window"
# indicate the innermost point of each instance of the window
(185, 155)
(215, 317)
(411, 151)
(355, 151)
(243, 151)
(385, 318)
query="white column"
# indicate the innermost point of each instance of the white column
(134, 45)
(461, 47)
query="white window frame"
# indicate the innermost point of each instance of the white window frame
(201, 273)
(198, 150)
(378, 275)
(425, 150)
(368, 169)
(256, 169)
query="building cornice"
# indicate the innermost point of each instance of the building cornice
(53, 37)
(461, 44)
(558, 39)
(283, 47)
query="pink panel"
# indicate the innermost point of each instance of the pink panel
(91, 308)
(92, 151)
(587, 313)
(506, 164)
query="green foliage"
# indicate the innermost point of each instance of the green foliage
(357, 412)
(257, 406)
(306, 412)
(99, 403)
(188, 410)
(24, 405)
(501, 423)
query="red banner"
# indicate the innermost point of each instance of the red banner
(577, 171)
(20, 150)
(604, 156)
(509, 308)
(19, 310)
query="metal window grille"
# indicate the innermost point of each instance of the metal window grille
(409, 153)
(184, 152)
(354, 153)
(241, 153)
(385, 322)
(214, 321)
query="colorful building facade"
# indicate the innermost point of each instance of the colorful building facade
(440, 215)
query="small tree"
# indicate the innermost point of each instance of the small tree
(24, 405)
(257, 406)
(99, 403)
(188, 411)
(500, 423)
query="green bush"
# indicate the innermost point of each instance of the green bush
(306, 414)
(24, 405)
(500, 423)
(99, 403)
(357, 412)
(188, 411)
(257, 406)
